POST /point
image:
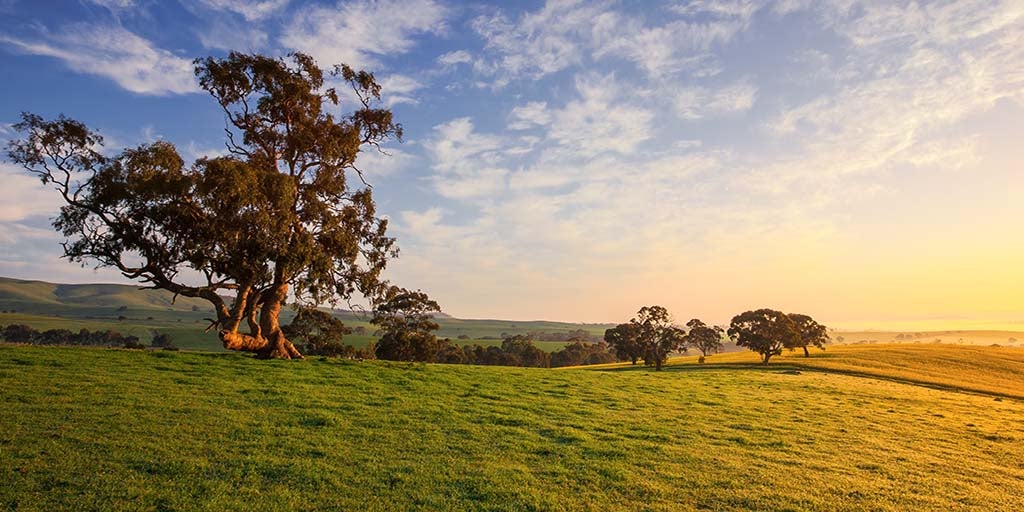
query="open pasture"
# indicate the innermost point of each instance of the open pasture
(96, 429)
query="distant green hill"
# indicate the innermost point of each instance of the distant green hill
(42, 297)
(132, 310)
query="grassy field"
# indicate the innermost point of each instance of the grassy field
(998, 371)
(95, 429)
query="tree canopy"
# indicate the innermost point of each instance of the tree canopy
(625, 339)
(708, 340)
(808, 332)
(285, 213)
(764, 331)
(657, 335)
(406, 321)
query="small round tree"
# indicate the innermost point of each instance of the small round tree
(808, 332)
(764, 331)
(706, 339)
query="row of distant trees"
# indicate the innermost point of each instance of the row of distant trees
(652, 336)
(21, 333)
(406, 328)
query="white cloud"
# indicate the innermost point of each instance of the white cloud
(115, 5)
(601, 119)
(375, 164)
(228, 34)
(24, 195)
(534, 113)
(397, 89)
(539, 43)
(360, 32)
(674, 46)
(115, 53)
(701, 102)
(568, 33)
(451, 59)
(466, 162)
(251, 10)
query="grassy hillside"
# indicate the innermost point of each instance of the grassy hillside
(129, 310)
(93, 429)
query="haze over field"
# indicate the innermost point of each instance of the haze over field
(567, 160)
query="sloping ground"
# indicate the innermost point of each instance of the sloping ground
(996, 371)
(102, 301)
(42, 297)
(91, 429)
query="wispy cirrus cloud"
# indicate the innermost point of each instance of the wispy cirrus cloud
(112, 52)
(360, 32)
(251, 10)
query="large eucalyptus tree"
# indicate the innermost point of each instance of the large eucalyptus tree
(285, 213)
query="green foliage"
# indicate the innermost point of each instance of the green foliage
(318, 333)
(625, 339)
(581, 354)
(520, 351)
(407, 326)
(808, 333)
(162, 340)
(764, 331)
(708, 340)
(657, 336)
(281, 211)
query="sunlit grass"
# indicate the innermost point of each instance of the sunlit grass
(994, 370)
(94, 429)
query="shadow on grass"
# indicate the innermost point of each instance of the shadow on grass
(797, 369)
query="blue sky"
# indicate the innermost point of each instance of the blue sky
(856, 160)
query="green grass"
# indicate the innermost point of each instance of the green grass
(94, 429)
(993, 370)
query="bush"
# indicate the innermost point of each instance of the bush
(133, 342)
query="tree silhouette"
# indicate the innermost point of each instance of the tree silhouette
(282, 215)
(625, 339)
(764, 331)
(708, 340)
(657, 336)
(407, 326)
(808, 332)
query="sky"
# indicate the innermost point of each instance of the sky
(858, 161)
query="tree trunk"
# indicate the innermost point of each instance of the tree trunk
(657, 364)
(277, 345)
(265, 337)
(767, 356)
(806, 353)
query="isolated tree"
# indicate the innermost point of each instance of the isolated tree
(706, 339)
(406, 322)
(764, 331)
(808, 332)
(318, 332)
(657, 336)
(625, 340)
(283, 215)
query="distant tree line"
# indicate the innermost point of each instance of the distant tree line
(21, 333)
(406, 329)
